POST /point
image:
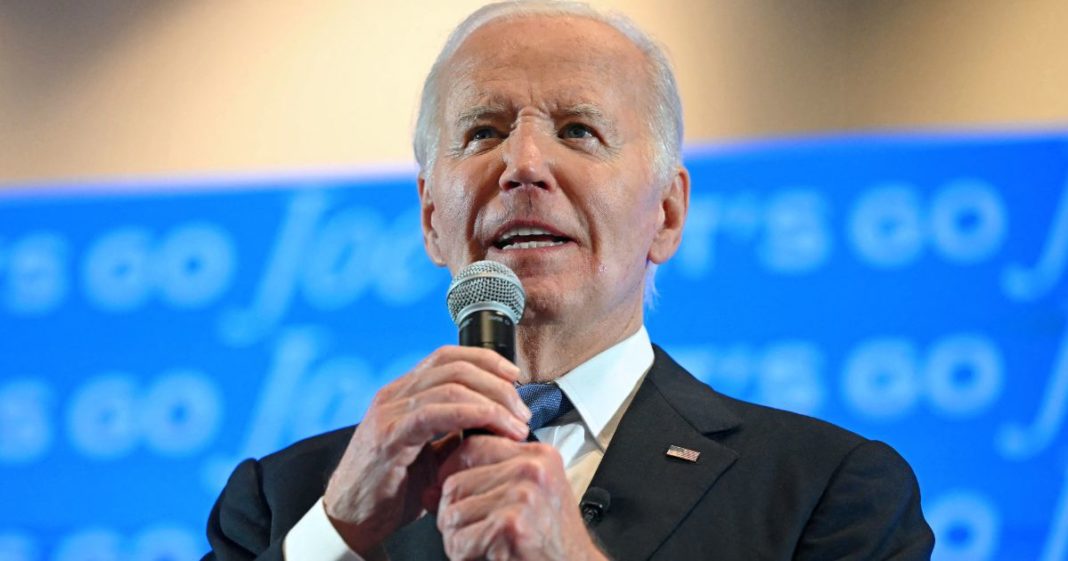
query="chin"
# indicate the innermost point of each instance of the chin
(543, 307)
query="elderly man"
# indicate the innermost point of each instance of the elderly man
(548, 140)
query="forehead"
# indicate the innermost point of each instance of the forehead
(546, 61)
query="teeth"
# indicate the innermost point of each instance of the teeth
(532, 245)
(525, 232)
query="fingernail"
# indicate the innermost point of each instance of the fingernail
(524, 412)
(521, 427)
(510, 368)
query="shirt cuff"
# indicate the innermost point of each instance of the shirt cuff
(314, 538)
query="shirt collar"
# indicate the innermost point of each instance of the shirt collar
(601, 385)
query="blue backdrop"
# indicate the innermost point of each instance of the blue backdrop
(908, 287)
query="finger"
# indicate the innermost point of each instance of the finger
(452, 393)
(420, 426)
(401, 428)
(482, 480)
(440, 449)
(480, 462)
(493, 537)
(476, 379)
(473, 367)
(487, 359)
(469, 510)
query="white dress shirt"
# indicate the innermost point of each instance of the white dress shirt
(600, 388)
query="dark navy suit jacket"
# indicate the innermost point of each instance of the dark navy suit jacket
(768, 485)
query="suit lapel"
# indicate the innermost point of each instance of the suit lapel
(651, 493)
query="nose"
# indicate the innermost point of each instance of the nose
(526, 164)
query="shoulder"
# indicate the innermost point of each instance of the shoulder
(812, 449)
(292, 479)
(314, 452)
(713, 412)
(264, 498)
(307, 463)
(833, 488)
(789, 431)
(850, 493)
(777, 440)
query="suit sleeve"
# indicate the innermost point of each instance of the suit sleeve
(870, 510)
(239, 527)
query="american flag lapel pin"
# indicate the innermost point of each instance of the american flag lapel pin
(683, 453)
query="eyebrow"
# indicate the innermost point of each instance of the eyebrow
(592, 114)
(488, 112)
(585, 111)
(478, 113)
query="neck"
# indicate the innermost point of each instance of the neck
(546, 351)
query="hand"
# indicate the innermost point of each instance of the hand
(388, 473)
(505, 500)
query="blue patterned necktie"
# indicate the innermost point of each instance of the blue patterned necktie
(546, 403)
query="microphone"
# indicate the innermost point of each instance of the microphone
(486, 301)
(594, 504)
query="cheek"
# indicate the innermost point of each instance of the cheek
(453, 202)
(461, 198)
(447, 218)
(638, 231)
(446, 222)
(624, 231)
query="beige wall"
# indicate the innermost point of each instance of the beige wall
(109, 88)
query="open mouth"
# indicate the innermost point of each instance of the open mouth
(529, 238)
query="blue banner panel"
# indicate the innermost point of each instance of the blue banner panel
(907, 287)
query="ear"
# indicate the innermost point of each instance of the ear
(674, 203)
(426, 217)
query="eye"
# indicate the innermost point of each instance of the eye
(576, 130)
(482, 133)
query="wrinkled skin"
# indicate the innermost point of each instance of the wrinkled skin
(542, 125)
(388, 473)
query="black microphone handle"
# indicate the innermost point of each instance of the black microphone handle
(489, 329)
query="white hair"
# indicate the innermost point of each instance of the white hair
(664, 121)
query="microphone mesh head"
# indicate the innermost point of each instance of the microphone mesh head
(486, 282)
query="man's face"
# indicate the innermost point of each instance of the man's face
(545, 164)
